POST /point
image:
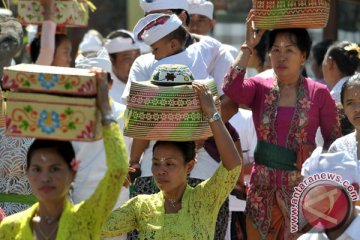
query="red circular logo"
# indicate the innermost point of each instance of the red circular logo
(325, 206)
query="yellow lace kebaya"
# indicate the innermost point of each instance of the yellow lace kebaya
(83, 220)
(195, 220)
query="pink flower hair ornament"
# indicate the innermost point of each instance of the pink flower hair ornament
(75, 164)
(2, 215)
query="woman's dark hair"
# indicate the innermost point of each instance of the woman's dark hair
(187, 149)
(345, 57)
(319, 50)
(353, 81)
(262, 47)
(180, 34)
(62, 148)
(36, 44)
(119, 33)
(346, 126)
(179, 11)
(302, 38)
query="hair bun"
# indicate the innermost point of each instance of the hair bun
(353, 50)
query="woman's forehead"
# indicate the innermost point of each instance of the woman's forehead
(286, 38)
(46, 156)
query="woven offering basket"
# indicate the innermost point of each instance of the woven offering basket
(273, 14)
(169, 113)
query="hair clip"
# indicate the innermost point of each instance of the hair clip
(353, 47)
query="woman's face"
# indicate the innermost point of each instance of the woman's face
(62, 56)
(49, 175)
(286, 57)
(352, 105)
(169, 168)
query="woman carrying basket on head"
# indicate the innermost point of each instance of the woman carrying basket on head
(287, 110)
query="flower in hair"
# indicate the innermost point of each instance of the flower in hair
(75, 164)
(353, 47)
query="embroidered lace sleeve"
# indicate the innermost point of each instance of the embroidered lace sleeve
(94, 211)
(121, 220)
(218, 187)
(329, 121)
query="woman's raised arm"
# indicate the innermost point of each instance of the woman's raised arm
(224, 143)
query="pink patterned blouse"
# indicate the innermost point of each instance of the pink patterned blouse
(315, 108)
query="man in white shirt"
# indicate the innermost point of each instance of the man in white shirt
(202, 21)
(123, 50)
(218, 67)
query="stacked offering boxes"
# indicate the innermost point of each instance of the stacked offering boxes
(69, 13)
(51, 103)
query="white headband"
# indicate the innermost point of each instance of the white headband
(154, 5)
(166, 25)
(120, 44)
(5, 12)
(102, 60)
(201, 7)
(90, 43)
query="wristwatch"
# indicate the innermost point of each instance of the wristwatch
(216, 116)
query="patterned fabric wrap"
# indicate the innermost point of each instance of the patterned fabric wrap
(270, 14)
(49, 79)
(52, 117)
(166, 113)
(69, 13)
(267, 184)
(13, 179)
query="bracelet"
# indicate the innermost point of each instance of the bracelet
(238, 70)
(251, 50)
(108, 118)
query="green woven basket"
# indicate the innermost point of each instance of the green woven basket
(272, 14)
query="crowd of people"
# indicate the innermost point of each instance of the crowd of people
(238, 184)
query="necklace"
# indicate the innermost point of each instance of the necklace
(47, 219)
(43, 235)
(172, 202)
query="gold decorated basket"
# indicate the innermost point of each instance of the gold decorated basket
(51, 103)
(68, 13)
(52, 117)
(49, 79)
(273, 14)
